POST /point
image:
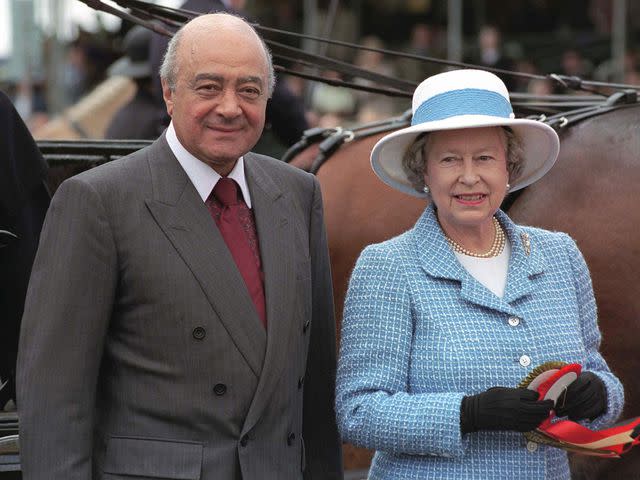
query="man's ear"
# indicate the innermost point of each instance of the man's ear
(167, 94)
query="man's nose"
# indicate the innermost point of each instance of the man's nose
(229, 106)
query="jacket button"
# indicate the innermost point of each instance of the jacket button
(220, 389)
(244, 440)
(525, 360)
(306, 326)
(291, 438)
(514, 321)
(199, 333)
(300, 383)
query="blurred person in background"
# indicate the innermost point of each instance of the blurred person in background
(373, 106)
(29, 100)
(607, 70)
(524, 65)
(541, 87)
(490, 53)
(334, 105)
(632, 77)
(74, 80)
(139, 118)
(575, 64)
(422, 42)
(86, 63)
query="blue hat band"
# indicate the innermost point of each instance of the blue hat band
(468, 101)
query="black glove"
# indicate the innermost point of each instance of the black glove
(585, 397)
(501, 408)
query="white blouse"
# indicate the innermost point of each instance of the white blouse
(490, 272)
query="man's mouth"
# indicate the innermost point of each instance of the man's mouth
(224, 129)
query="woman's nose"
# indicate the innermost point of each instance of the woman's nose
(469, 174)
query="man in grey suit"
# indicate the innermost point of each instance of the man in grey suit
(144, 352)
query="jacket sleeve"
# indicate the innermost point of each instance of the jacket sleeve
(321, 438)
(374, 405)
(66, 316)
(591, 338)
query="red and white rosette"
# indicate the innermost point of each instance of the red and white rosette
(551, 380)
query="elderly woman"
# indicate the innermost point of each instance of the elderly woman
(443, 321)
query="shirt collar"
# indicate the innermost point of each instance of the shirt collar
(203, 177)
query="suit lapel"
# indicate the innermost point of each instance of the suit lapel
(272, 211)
(185, 220)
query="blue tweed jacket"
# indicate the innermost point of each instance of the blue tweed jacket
(419, 333)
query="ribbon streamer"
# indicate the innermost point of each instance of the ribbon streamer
(551, 380)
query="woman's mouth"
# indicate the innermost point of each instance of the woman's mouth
(470, 198)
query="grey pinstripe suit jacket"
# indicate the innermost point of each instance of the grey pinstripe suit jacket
(141, 354)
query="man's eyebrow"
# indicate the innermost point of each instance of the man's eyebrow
(206, 76)
(219, 78)
(250, 79)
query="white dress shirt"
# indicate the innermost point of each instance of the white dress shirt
(203, 177)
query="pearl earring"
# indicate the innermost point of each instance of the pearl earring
(425, 189)
(508, 187)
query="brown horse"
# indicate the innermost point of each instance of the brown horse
(590, 193)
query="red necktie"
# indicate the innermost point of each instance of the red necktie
(236, 224)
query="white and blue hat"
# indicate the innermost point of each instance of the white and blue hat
(464, 99)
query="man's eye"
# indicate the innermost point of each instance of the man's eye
(250, 92)
(485, 157)
(207, 88)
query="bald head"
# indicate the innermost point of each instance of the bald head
(211, 31)
(215, 84)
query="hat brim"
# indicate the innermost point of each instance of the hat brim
(540, 146)
(126, 68)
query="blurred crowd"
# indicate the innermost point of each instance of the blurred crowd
(90, 59)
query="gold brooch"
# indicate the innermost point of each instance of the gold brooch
(526, 243)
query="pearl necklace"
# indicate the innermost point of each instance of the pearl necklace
(499, 242)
